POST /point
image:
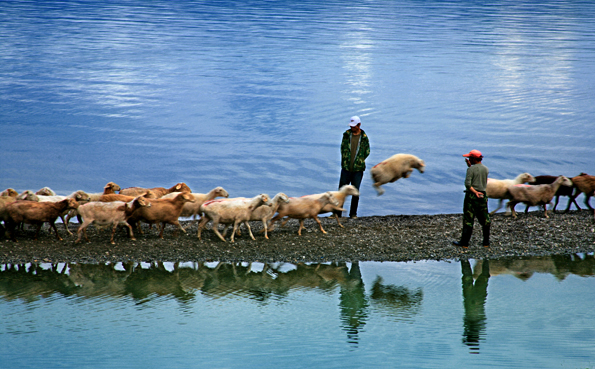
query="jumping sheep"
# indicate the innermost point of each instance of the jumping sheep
(393, 168)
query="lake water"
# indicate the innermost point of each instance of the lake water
(530, 313)
(254, 96)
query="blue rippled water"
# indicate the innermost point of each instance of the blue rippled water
(254, 96)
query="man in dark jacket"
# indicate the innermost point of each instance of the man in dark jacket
(355, 148)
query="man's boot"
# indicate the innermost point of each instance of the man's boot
(465, 237)
(486, 235)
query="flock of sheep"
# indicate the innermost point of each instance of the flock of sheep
(131, 206)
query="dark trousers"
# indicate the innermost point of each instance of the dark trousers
(475, 207)
(355, 179)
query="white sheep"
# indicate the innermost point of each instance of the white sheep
(304, 207)
(393, 168)
(341, 195)
(109, 188)
(535, 195)
(265, 213)
(231, 211)
(46, 191)
(108, 213)
(192, 209)
(498, 188)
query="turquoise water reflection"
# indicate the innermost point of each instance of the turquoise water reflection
(533, 313)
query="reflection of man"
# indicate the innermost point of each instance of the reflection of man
(353, 303)
(474, 298)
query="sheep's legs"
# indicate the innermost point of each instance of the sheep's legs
(216, 230)
(338, 222)
(55, 230)
(203, 221)
(320, 224)
(82, 231)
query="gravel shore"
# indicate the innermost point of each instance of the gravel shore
(374, 238)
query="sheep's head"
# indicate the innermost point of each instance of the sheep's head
(112, 186)
(281, 197)
(220, 192)
(331, 199)
(566, 181)
(82, 196)
(526, 177)
(141, 201)
(181, 187)
(185, 197)
(27, 195)
(349, 190)
(421, 166)
(265, 199)
(72, 203)
(10, 192)
(150, 195)
(46, 191)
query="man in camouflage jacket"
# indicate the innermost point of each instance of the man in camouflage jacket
(355, 148)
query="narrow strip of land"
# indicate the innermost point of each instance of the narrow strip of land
(374, 238)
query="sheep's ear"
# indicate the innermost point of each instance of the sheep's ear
(178, 186)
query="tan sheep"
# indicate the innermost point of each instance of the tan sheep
(498, 188)
(393, 168)
(303, 208)
(535, 195)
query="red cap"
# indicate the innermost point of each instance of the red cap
(473, 154)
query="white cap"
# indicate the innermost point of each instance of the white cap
(354, 121)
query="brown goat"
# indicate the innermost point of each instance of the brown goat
(158, 191)
(585, 184)
(37, 213)
(161, 211)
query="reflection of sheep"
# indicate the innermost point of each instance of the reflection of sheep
(498, 188)
(397, 300)
(395, 167)
(535, 195)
